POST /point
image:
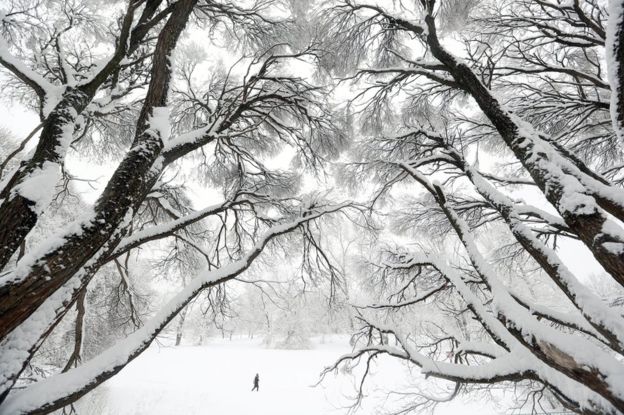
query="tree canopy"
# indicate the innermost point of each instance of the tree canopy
(418, 173)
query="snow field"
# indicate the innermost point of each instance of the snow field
(217, 379)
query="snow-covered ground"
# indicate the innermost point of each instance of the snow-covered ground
(217, 378)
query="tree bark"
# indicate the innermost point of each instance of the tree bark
(615, 65)
(76, 355)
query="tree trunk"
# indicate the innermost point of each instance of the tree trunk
(76, 355)
(18, 212)
(180, 326)
(588, 224)
(615, 65)
(127, 188)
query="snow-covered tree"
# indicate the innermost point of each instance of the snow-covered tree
(485, 137)
(134, 86)
(484, 105)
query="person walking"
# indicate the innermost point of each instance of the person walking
(256, 386)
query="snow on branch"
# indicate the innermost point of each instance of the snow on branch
(44, 89)
(55, 392)
(549, 345)
(507, 358)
